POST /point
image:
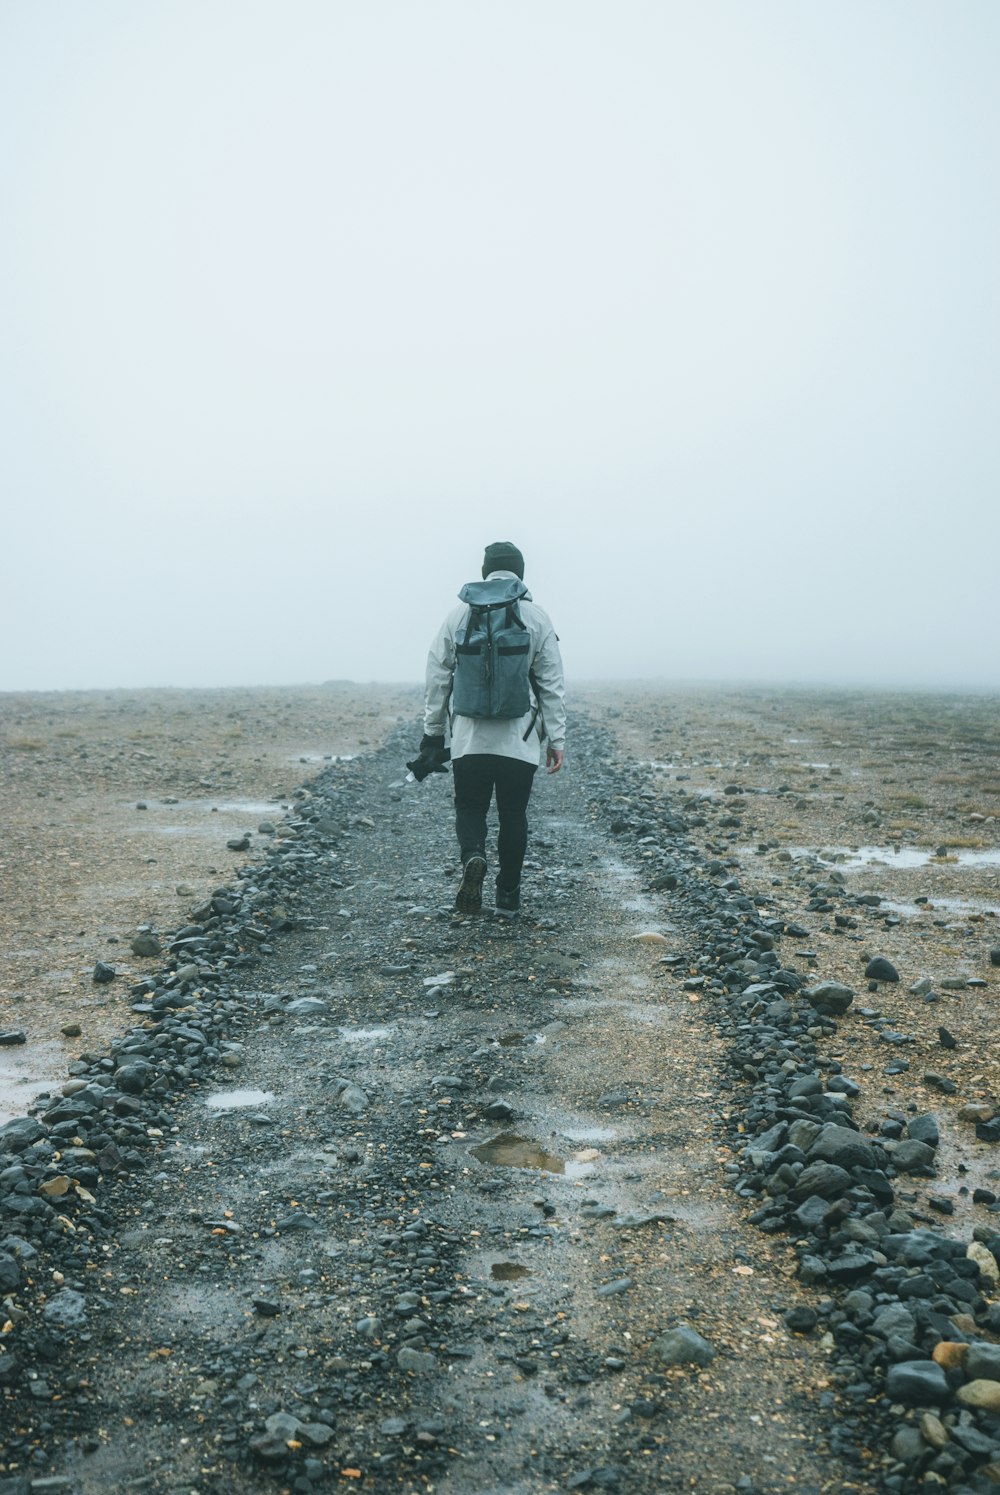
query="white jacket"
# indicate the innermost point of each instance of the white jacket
(505, 738)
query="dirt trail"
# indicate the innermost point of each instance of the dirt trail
(323, 1284)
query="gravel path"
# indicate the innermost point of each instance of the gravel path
(446, 1215)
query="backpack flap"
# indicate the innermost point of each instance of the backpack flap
(496, 593)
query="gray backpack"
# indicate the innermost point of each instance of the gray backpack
(492, 652)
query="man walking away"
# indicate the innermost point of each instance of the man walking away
(496, 663)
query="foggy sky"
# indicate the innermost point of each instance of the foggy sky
(304, 302)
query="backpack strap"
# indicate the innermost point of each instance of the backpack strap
(536, 714)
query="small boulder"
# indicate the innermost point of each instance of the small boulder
(881, 969)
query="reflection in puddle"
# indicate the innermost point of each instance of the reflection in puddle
(949, 908)
(511, 1151)
(508, 1271)
(235, 1100)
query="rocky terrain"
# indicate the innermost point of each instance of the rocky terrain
(682, 1180)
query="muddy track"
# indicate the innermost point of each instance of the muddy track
(434, 1226)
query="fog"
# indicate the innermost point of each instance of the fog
(303, 303)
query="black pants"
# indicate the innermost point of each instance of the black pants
(477, 776)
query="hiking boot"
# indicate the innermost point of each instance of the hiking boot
(508, 900)
(469, 898)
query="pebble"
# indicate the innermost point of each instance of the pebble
(933, 1431)
(67, 1309)
(683, 1346)
(982, 1394)
(12, 1037)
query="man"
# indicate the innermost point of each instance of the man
(495, 756)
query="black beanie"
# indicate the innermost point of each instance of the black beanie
(503, 556)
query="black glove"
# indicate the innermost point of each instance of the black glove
(431, 758)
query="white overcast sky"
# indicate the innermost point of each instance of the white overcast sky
(304, 302)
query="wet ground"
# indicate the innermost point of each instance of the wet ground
(534, 1192)
(117, 807)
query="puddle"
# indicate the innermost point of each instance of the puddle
(365, 1035)
(587, 1133)
(511, 1151)
(25, 1072)
(894, 856)
(952, 908)
(508, 1271)
(235, 1100)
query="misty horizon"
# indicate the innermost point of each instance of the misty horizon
(305, 305)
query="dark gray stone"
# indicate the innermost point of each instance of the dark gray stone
(918, 1383)
(683, 1346)
(912, 1156)
(841, 1145)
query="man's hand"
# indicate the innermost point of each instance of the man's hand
(554, 759)
(431, 758)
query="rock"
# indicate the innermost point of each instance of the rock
(917, 1381)
(802, 1320)
(802, 1133)
(316, 1434)
(907, 1446)
(20, 1133)
(989, 1270)
(683, 1346)
(133, 1078)
(977, 1110)
(933, 1431)
(995, 956)
(912, 1156)
(940, 1082)
(417, 1362)
(103, 973)
(988, 1131)
(829, 997)
(12, 1037)
(947, 1040)
(147, 946)
(499, 1110)
(841, 1145)
(950, 1353)
(894, 1320)
(825, 1179)
(351, 1097)
(67, 1310)
(11, 1274)
(238, 843)
(307, 1007)
(613, 1289)
(924, 1129)
(985, 1395)
(881, 969)
(982, 1363)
